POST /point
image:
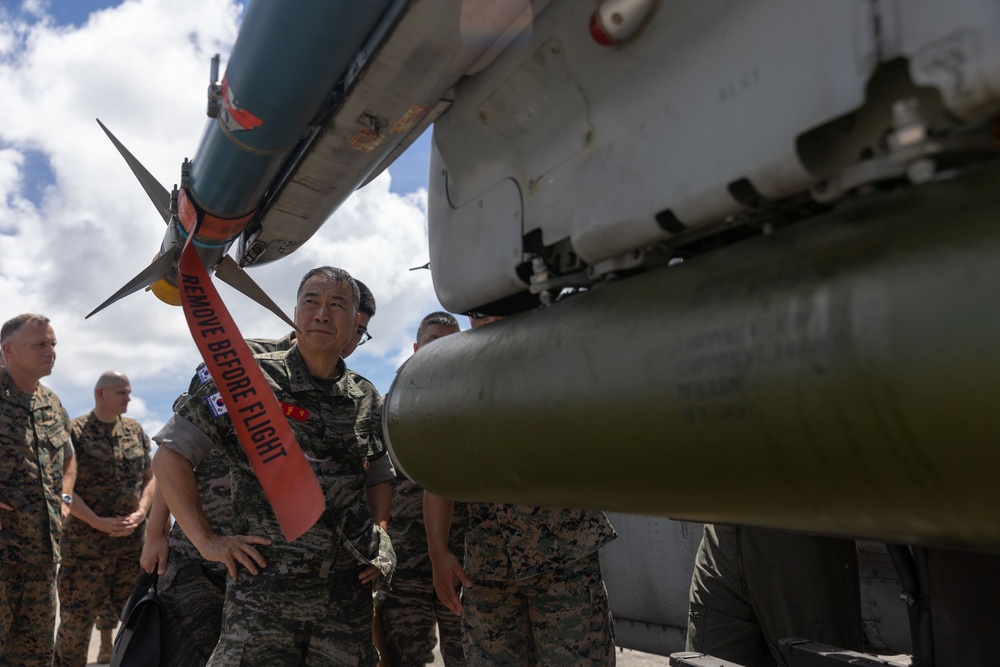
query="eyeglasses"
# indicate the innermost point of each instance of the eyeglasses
(474, 315)
(365, 337)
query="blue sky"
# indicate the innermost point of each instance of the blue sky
(73, 12)
(75, 225)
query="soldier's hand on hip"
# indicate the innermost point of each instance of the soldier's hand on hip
(233, 550)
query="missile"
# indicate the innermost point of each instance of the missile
(317, 99)
(837, 376)
(281, 71)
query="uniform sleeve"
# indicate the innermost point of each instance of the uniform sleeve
(380, 470)
(200, 377)
(148, 460)
(180, 435)
(377, 446)
(68, 449)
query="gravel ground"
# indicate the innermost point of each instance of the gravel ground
(626, 658)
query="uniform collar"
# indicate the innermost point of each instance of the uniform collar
(301, 380)
(10, 393)
(115, 427)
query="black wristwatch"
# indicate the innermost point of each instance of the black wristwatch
(68, 499)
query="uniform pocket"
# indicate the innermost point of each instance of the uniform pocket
(696, 627)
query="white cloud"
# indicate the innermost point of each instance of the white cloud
(142, 68)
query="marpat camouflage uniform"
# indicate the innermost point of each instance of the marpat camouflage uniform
(107, 620)
(538, 597)
(308, 602)
(752, 587)
(411, 609)
(34, 439)
(112, 460)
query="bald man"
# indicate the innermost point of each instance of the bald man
(36, 458)
(103, 538)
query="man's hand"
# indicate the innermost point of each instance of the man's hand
(447, 570)
(154, 553)
(369, 573)
(135, 519)
(234, 549)
(5, 506)
(115, 526)
(63, 512)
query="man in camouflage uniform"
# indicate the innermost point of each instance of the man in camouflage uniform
(366, 311)
(34, 487)
(411, 608)
(532, 587)
(103, 539)
(752, 587)
(308, 602)
(107, 621)
(191, 589)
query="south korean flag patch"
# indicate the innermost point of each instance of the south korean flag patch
(216, 405)
(203, 374)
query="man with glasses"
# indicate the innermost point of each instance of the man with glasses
(192, 589)
(411, 609)
(366, 309)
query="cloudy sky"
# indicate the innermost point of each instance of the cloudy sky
(75, 225)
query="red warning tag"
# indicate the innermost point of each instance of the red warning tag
(277, 459)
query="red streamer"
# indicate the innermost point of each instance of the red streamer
(282, 469)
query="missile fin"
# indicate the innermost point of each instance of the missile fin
(161, 267)
(230, 273)
(156, 192)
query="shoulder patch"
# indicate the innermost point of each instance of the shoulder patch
(203, 374)
(216, 405)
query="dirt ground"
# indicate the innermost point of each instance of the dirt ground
(625, 658)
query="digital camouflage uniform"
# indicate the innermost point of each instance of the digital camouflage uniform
(537, 596)
(410, 610)
(111, 461)
(34, 439)
(752, 587)
(307, 606)
(192, 589)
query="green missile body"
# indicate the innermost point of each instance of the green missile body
(838, 376)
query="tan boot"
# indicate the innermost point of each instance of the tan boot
(107, 643)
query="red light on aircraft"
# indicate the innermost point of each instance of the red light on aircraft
(615, 22)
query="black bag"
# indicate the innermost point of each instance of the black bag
(137, 643)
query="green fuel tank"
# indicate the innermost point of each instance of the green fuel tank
(838, 376)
